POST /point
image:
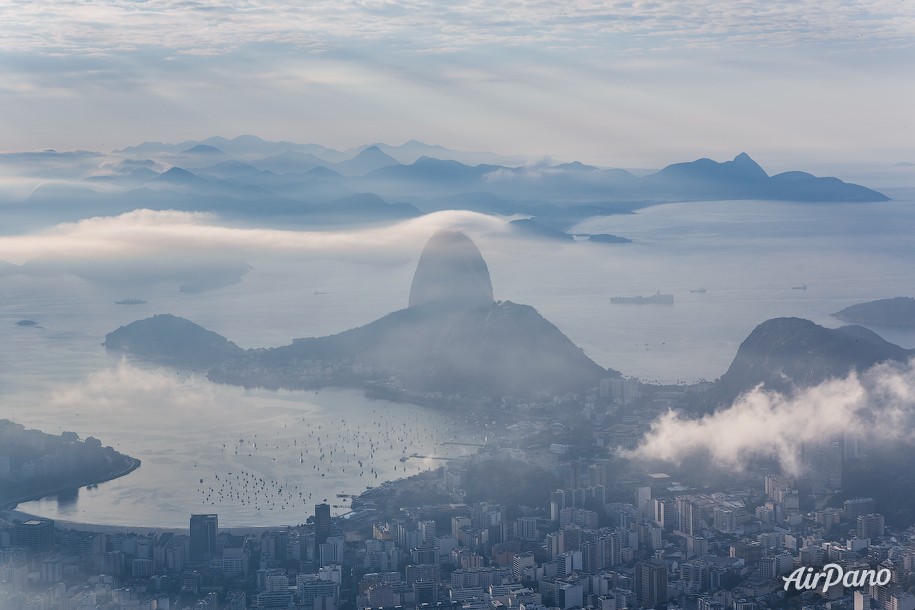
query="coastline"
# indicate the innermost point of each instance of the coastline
(388, 491)
(10, 504)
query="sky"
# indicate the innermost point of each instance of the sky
(617, 83)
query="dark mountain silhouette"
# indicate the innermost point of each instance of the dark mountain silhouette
(180, 177)
(176, 341)
(741, 169)
(785, 353)
(500, 349)
(527, 227)
(323, 173)
(578, 184)
(437, 172)
(428, 169)
(576, 166)
(369, 160)
(898, 311)
(801, 186)
(202, 149)
(299, 182)
(452, 338)
(743, 178)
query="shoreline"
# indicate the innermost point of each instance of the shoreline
(8, 512)
(9, 505)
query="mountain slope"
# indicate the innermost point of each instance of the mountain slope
(743, 178)
(173, 340)
(898, 311)
(453, 338)
(368, 160)
(784, 353)
(503, 349)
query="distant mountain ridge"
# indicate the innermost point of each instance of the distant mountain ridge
(414, 162)
(296, 183)
(743, 178)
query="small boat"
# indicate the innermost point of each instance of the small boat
(801, 287)
(130, 302)
(698, 290)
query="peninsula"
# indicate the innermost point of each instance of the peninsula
(34, 465)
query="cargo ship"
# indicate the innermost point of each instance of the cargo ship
(655, 299)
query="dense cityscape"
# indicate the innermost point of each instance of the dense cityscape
(546, 515)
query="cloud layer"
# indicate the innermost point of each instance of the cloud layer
(603, 82)
(195, 251)
(221, 26)
(878, 405)
(146, 232)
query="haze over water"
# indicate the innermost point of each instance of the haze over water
(747, 255)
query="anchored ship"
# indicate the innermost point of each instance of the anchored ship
(655, 299)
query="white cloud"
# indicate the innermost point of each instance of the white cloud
(142, 388)
(879, 405)
(142, 234)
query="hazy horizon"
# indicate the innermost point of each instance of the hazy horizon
(623, 84)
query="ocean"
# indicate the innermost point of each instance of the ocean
(751, 258)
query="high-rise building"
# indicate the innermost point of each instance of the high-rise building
(856, 507)
(651, 582)
(427, 531)
(870, 526)
(824, 465)
(35, 534)
(520, 562)
(688, 519)
(610, 549)
(665, 513)
(526, 528)
(322, 526)
(425, 592)
(203, 538)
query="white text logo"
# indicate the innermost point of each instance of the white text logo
(806, 579)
